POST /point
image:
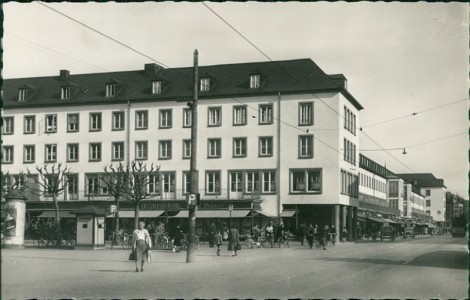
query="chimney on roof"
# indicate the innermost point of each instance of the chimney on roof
(340, 80)
(151, 69)
(64, 75)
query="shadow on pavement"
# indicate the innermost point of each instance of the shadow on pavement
(438, 259)
(442, 259)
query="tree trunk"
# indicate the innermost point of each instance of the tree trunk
(136, 216)
(116, 226)
(56, 205)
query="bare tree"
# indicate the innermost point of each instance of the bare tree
(51, 182)
(116, 180)
(138, 178)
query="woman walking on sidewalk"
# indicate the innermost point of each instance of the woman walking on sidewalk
(141, 244)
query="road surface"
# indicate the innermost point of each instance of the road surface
(423, 268)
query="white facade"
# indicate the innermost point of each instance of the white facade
(436, 198)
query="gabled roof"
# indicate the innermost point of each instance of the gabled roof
(285, 77)
(423, 180)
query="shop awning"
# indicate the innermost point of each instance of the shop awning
(207, 214)
(62, 214)
(265, 214)
(142, 214)
(390, 221)
(379, 220)
(221, 213)
(361, 220)
(288, 213)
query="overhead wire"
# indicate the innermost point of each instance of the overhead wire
(103, 34)
(360, 129)
(50, 51)
(415, 113)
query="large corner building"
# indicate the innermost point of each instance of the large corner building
(275, 139)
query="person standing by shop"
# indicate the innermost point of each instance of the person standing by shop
(218, 241)
(178, 237)
(310, 235)
(211, 234)
(233, 240)
(323, 234)
(302, 233)
(344, 234)
(141, 244)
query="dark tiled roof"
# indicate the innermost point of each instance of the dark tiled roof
(423, 180)
(231, 80)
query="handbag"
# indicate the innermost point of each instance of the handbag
(238, 247)
(132, 256)
(149, 255)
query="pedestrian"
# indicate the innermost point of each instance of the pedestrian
(141, 244)
(302, 233)
(310, 235)
(218, 241)
(233, 240)
(256, 235)
(178, 237)
(212, 231)
(269, 233)
(344, 234)
(322, 234)
(332, 235)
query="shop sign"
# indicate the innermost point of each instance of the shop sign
(224, 205)
(163, 205)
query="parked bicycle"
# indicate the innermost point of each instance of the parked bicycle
(121, 239)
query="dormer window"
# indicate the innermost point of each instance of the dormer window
(156, 87)
(110, 89)
(65, 92)
(205, 84)
(255, 81)
(22, 95)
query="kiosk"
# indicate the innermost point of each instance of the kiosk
(90, 228)
(14, 221)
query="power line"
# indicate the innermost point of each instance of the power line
(50, 51)
(415, 113)
(240, 34)
(102, 34)
(437, 140)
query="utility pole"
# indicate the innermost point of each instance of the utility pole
(194, 188)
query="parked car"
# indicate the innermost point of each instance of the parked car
(409, 232)
(387, 233)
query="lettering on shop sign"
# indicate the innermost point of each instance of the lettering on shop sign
(224, 205)
(162, 206)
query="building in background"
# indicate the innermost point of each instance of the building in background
(434, 192)
(275, 140)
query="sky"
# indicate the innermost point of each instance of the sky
(406, 63)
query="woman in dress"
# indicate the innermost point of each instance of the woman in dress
(233, 240)
(141, 244)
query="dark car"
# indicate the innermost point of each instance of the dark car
(387, 233)
(409, 232)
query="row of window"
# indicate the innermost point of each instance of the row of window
(349, 152)
(165, 150)
(372, 183)
(349, 120)
(239, 181)
(214, 118)
(349, 184)
(112, 88)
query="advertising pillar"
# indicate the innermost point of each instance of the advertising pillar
(14, 221)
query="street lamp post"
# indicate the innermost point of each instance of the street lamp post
(230, 208)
